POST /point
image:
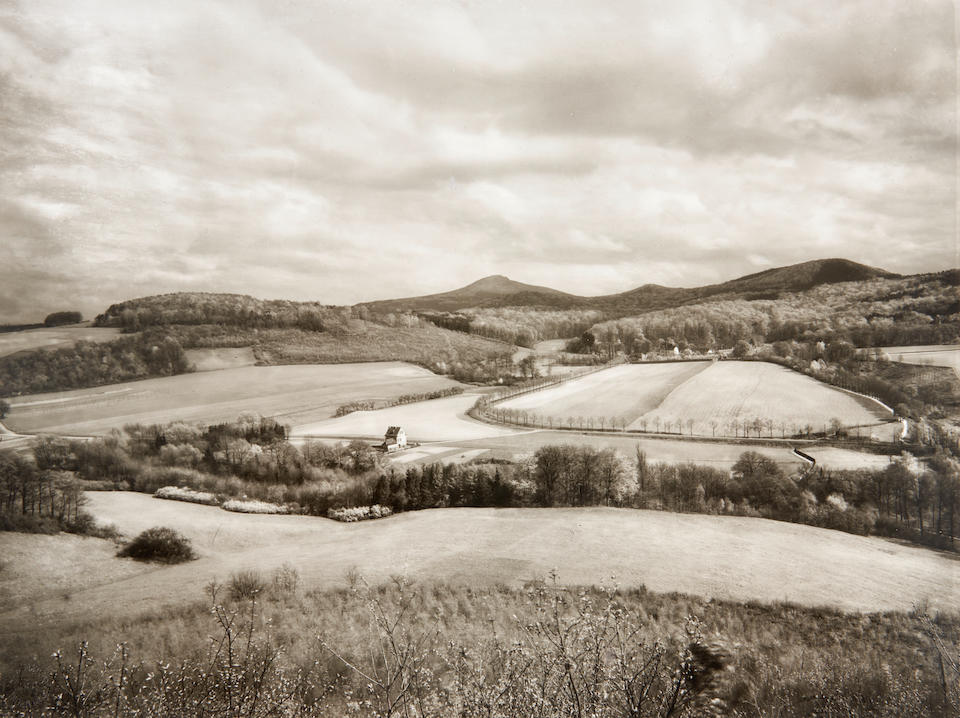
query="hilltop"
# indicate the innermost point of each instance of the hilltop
(495, 290)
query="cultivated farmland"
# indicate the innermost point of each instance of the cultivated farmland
(934, 355)
(53, 338)
(725, 557)
(730, 393)
(623, 393)
(293, 394)
(726, 398)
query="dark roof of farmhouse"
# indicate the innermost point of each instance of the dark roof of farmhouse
(393, 431)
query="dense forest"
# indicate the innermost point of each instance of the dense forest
(148, 354)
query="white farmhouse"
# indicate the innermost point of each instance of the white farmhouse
(395, 439)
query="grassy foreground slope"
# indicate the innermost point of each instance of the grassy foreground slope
(490, 652)
(724, 557)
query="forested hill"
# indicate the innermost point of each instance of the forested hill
(499, 291)
(158, 331)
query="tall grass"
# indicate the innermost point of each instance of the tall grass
(440, 650)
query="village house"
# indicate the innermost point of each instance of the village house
(395, 439)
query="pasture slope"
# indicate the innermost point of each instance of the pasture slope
(53, 338)
(725, 557)
(298, 393)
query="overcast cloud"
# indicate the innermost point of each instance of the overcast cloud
(349, 151)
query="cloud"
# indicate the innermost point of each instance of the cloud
(347, 151)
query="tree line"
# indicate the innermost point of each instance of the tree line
(252, 458)
(36, 500)
(92, 364)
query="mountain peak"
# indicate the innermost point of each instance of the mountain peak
(496, 283)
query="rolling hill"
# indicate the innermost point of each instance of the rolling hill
(500, 291)
(495, 290)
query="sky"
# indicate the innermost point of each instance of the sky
(345, 151)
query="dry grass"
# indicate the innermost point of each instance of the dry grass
(724, 557)
(782, 659)
(293, 394)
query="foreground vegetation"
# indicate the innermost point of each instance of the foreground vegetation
(261, 645)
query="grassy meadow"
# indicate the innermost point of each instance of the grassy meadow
(731, 558)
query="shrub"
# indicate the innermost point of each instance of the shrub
(246, 584)
(359, 513)
(160, 544)
(254, 507)
(286, 579)
(176, 493)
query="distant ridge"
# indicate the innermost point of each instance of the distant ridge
(500, 291)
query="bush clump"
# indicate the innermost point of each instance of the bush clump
(246, 585)
(254, 507)
(359, 513)
(177, 493)
(160, 544)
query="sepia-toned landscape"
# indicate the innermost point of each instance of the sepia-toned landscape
(283, 433)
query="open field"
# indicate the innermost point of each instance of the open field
(722, 455)
(936, 355)
(301, 393)
(450, 435)
(623, 393)
(220, 358)
(435, 420)
(53, 338)
(733, 392)
(724, 557)
(706, 399)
